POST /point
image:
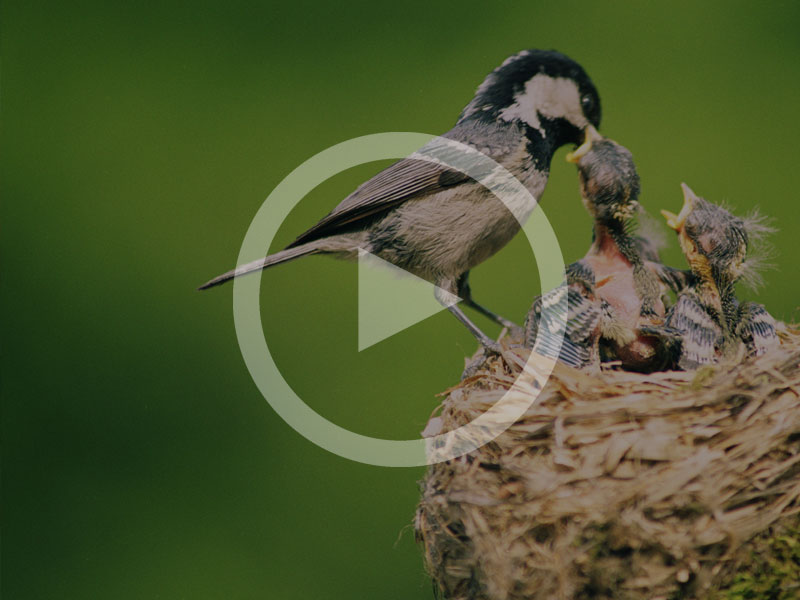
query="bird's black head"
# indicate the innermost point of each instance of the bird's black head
(609, 181)
(543, 90)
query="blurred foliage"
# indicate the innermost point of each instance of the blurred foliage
(138, 141)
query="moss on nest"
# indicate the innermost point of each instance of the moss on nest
(621, 485)
(769, 569)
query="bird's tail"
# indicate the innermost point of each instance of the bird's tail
(262, 263)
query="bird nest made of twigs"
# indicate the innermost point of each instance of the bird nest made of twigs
(617, 484)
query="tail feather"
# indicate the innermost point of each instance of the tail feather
(262, 263)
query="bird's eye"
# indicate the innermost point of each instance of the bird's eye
(587, 103)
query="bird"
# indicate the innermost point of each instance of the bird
(574, 339)
(713, 325)
(438, 223)
(636, 282)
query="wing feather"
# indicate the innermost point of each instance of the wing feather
(412, 177)
(573, 341)
(406, 179)
(701, 335)
(757, 329)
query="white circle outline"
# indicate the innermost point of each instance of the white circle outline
(247, 315)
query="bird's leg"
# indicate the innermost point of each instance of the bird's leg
(465, 293)
(488, 343)
(442, 294)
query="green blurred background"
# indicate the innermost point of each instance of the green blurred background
(138, 141)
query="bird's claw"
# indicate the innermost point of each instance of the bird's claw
(473, 366)
(488, 348)
(492, 347)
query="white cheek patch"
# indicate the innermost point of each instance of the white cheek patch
(550, 97)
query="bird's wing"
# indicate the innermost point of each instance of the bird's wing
(544, 328)
(700, 333)
(757, 329)
(413, 177)
(404, 180)
(583, 317)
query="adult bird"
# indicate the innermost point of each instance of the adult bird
(438, 223)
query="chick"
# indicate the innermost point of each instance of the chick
(614, 306)
(637, 284)
(574, 338)
(712, 323)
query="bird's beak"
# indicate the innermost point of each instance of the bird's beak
(590, 135)
(672, 219)
(677, 222)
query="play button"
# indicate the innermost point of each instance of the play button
(391, 299)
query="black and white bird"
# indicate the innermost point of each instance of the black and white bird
(439, 223)
(712, 323)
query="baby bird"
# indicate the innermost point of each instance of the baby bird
(636, 282)
(614, 294)
(587, 319)
(712, 323)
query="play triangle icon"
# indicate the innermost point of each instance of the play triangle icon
(391, 299)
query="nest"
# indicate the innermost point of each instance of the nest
(616, 484)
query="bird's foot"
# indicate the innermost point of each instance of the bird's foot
(473, 365)
(488, 349)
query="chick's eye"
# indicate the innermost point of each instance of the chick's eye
(587, 102)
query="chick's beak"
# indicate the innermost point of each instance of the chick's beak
(674, 221)
(590, 135)
(689, 197)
